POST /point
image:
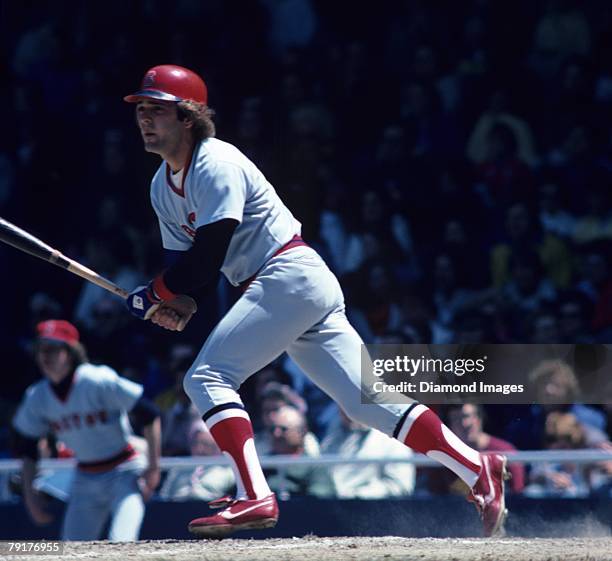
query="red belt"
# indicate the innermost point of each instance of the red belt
(105, 465)
(295, 241)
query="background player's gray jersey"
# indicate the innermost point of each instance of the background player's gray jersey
(92, 420)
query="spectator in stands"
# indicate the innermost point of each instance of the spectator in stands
(596, 284)
(381, 233)
(205, 482)
(574, 313)
(322, 410)
(288, 430)
(568, 133)
(431, 132)
(462, 244)
(349, 439)
(522, 236)
(273, 397)
(426, 69)
(562, 431)
(557, 389)
(110, 254)
(544, 327)
(178, 413)
(595, 221)
(502, 178)
(451, 294)
(375, 310)
(253, 388)
(499, 133)
(526, 292)
(562, 30)
(466, 421)
(554, 217)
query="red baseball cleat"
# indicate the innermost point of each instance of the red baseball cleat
(237, 514)
(488, 493)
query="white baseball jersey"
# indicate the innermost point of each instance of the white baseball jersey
(220, 182)
(92, 420)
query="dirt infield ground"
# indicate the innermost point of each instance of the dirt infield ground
(342, 549)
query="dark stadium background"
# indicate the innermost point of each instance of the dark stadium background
(346, 107)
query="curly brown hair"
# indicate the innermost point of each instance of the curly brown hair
(565, 374)
(200, 115)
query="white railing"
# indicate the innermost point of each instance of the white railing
(531, 456)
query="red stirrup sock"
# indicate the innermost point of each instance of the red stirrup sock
(421, 429)
(231, 428)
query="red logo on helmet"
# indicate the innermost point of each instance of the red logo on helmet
(149, 79)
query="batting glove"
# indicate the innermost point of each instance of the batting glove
(143, 302)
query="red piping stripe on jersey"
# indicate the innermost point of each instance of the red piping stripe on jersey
(179, 191)
(105, 465)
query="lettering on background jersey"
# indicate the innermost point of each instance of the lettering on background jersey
(79, 421)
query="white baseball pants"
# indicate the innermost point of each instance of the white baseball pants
(295, 304)
(94, 497)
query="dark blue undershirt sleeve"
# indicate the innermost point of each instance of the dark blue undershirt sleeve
(200, 264)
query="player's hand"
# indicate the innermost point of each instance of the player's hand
(37, 510)
(174, 314)
(149, 480)
(143, 302)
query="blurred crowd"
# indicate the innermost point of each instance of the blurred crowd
(451, 161)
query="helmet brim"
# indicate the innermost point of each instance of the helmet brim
(150, 94)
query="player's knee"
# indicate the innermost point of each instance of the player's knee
(189, 383)
(197, 378)
(355, 412)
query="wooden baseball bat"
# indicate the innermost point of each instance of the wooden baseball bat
(20, 239)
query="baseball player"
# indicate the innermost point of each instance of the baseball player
(86, 406)
(218, 210)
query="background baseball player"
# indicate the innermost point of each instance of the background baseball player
(220, 212)
(86, 406)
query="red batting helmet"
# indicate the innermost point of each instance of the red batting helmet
(170, 83)
(58, 330)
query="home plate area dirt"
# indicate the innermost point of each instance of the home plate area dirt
(312, 548)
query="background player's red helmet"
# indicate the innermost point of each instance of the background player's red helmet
(58, 330)
(170, 83)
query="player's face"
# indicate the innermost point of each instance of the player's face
(287, 431)
(54, 360)
(161, 130)
(465, 423)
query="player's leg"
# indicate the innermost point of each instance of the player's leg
(243, 342)
(88, 508)
(330, 353)
(275, 310)
(127, 507)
